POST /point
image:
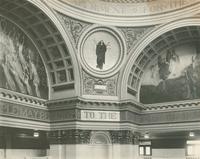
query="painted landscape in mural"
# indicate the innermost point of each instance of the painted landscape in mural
(173, 76)
(21, 68)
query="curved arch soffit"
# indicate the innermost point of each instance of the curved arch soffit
(142, 43)
(51, 15)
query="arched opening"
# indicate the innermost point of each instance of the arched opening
(100, 142)
(172, 43)
(49, 42)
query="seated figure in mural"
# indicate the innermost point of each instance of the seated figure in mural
(100, 52)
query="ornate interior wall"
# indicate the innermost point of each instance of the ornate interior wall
(103, 75)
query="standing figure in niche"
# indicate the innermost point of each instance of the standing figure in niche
(101, 49)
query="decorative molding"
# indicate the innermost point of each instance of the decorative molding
(97, 86)
(114, 50)
(100, 138)
(64, 115)
(74, 136)
(21, 111)
(123, 137)
(7, 121)
(172, 105)
(8, 95)
(73, 26)
(77, 136)
(171, 117)
(132, 35)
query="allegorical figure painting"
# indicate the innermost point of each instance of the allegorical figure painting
(101, 49)
(21, 68)
(173, 76)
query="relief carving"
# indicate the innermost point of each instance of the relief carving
(62, 115)
(73, 26)
(132, 35)
(123, 137)
(20, 111)
(95, 86)
(193, 115)
(70, 136)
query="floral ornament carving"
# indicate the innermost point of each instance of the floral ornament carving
(132, 35)
(96, 86)
(73, 26)
(123, 137)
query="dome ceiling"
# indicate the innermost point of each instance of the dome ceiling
(129, 7)
(127, 1)
(126, 12)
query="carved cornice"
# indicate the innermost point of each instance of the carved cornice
(79, 102)
(8, 95)
(23, 112)
(167, 106)
(123, 137)
(70, 136)
(97, 104)
(66, 113)
(78, 136)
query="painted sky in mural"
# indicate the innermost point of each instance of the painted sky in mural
(21, 68)
(174, 75)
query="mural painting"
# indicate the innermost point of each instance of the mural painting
(101, 51)
(173, 76)
(21, 67)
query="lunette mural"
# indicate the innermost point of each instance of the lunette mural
(21, 67)
(173, 76)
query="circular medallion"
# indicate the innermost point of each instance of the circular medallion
(101, 51)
